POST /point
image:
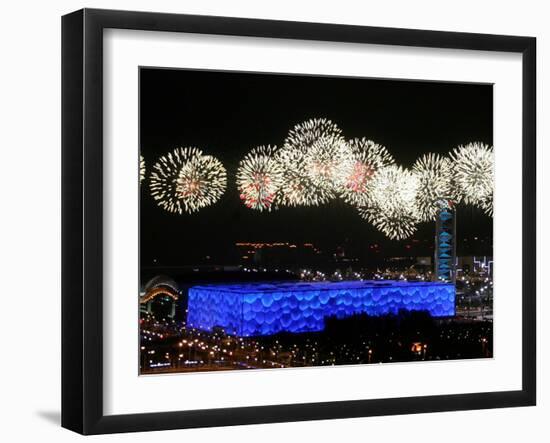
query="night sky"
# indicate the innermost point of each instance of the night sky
(226, 114)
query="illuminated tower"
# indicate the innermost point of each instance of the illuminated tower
(445, 242)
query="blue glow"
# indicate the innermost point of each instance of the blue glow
(265, 309)
(445, 259)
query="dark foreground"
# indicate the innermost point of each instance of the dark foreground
(168, 347)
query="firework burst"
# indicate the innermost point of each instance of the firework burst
(326, 162)
(186, 180)
(473, 174)
(367, 158)
(392, 208)
(141, 168)
(297, 189)
(433, 173)
(259, 177)
(487, 206)
(304, 135)
(314, 156)
(395, 224)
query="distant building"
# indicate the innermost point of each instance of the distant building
(472, 264)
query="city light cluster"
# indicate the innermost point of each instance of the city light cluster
(317, 164)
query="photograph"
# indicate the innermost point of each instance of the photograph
(295, 221)
(265, 221)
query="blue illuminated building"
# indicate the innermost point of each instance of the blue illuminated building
(445, 242)
(265, 309)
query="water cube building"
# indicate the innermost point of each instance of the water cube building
(268, 308)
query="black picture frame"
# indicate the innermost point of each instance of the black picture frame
(82, 219)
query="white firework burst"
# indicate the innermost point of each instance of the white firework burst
(326, 163)
(433, 173)
(305, 134)
(259, 177)
(487, 206)
(321, 153)
(367, 158)
(392, 206)
(473, 174)
(394, 223)
(141, 168)
(298, 188)
(186, 180)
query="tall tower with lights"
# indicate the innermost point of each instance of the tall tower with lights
(445, 242)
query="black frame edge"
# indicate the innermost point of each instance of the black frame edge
(306, 412)
(72, 103)
(529, 220)
(285, 29)
(93, 222)
(82, 192)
